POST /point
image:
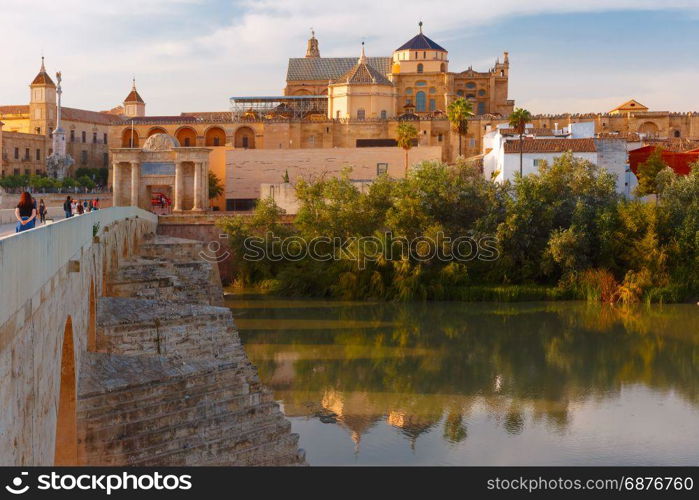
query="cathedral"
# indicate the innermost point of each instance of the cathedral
(415, 79)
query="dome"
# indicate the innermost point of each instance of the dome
(160, 142)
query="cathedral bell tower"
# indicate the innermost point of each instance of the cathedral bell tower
(42, 103)
(134, 104)
(312, 49)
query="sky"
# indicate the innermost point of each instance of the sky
(192, 55)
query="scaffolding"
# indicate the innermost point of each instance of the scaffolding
(279, 107)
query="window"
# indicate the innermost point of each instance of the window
(105, 159)
(337, 115)
(481, 108)
(433, 105)
(104, 138)
(409, 91)
(384, 114)
(16, 153)
(360, 114)
(216, 141)
(481, 92)
(470, 96)
(433, 90)
(538, 162)
(440, 137)
(421, 83)
(420, 101)
(72, 136)
(26, 153)
(677, 133)
(408, 102)
(420, 68)
(186, 142)
(94, 137)
(15, 171)
(424, 54)
(27, 171)
(38, 154)
(84, 136)
(470, 85)
(381, 168)
(83, 157)
(460, 93)
(443, 68)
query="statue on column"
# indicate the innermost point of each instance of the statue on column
(58, 163)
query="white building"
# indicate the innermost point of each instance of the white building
(501, 155)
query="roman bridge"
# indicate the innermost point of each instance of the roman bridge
(49, 280)
(114, 350)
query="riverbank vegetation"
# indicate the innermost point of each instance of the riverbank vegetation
(561, 233)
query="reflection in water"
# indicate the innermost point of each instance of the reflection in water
(455, 383)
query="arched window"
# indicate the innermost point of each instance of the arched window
(409, 91)
(384, 114)
(470, 85)
(420, 102)
(420, 68)
(360, 114)
(433, 105)
(481, 92)
(433, 90)
(421, 83)
(677, 133)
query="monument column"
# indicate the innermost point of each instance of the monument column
(198, 167)
(179, 186)
(134, 183)
(116, 184)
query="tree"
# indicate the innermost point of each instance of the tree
(647, 173)
(215, 186)
(458, 113)
(518, 121)
(406, 136)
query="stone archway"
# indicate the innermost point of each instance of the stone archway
(245, 138)
(215, 136)
(187, 137)
(156, 130)
(66, 452)
(92, 320)
(648, 128)
(129, 138)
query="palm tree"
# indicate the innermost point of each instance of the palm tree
(405, 137)
(518, 121)
(458, 113)
(215, 186)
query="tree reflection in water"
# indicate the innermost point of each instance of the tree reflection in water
(420, 366)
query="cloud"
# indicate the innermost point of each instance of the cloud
(194, 54)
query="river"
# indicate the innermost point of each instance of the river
(446, 383)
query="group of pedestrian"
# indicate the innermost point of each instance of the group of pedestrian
(76, 207)
(27, 210)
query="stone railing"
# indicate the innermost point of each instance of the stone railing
(30, 259)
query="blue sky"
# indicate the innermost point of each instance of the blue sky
(191, 55)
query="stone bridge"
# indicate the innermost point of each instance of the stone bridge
(114, 350)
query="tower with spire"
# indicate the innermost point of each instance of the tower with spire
(42, 103)
(133, 104)
(312, 49)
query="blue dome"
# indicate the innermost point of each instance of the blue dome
(421, 42)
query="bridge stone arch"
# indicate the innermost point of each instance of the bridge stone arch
(66, 448)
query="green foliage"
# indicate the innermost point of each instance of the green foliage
(648, 172)
(519, 118)
(406, 133)
(458, 113)
(215, 186)
(85, 182)
(563, 232)
(97, 175)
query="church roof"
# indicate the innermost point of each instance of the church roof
(133, 96)
(43, 77)
(632, 105)
(330, 68)
(362, 72)
(421, 42)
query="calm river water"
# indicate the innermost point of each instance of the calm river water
(480, 384)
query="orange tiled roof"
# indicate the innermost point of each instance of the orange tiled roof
(19, 109)
(216, 116)
(552, 146)
(133, 97)
(530, 131)
(83, 115)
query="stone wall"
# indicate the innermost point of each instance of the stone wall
(247, 169)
